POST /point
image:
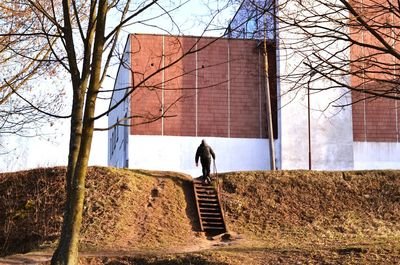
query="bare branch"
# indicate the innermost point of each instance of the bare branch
(34, 107)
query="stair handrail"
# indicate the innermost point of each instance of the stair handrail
(217, 179)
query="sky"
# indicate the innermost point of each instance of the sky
(51, 148)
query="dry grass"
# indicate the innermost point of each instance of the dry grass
(283, 217)
(324, 207)
(329, 217)
(124, 209)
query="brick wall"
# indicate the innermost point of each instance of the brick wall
(217, 91)
(146, 99)
(374, 119)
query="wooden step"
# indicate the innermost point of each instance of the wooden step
(203, 205)
(211, 218)
(208, 199)
(216, 219)
(197, 180)
(209, 208)
(211, 213)
(207, 195)
(200, 183)
(213, 224)
(212, 204)
(214, 228)
(203, 187)
(209, 204)
(212, 207)
(204, 191)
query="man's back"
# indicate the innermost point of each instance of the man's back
(205, 152)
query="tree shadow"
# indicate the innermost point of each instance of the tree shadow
(179, 260)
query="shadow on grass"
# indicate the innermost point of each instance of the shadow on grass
(193, 260)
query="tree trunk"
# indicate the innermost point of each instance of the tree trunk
(74, 146)
(67, 251)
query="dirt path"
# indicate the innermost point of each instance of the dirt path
(29, 258)
(203, 244)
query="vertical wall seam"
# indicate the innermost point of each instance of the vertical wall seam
(128, 111)
(396, 107)
(394, 77)
(259, 94)
(162, 84)
(229, 88)
(196, 87)
(363, 79)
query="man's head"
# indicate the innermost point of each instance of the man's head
(203, 142)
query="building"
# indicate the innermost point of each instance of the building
(190, 88)
(207, 88)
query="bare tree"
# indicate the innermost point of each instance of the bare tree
(80, 38)
(23, 61)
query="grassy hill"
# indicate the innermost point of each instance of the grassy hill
(145, 217)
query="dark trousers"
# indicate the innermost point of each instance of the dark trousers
(206, 167)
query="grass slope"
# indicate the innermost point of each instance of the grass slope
(123, 209)
(281, 217)
(286, 207)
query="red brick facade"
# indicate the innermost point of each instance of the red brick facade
(217, 91)
(374, 119)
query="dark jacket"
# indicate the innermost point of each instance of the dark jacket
(205, 152)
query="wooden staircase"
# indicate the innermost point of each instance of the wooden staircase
(209, 208)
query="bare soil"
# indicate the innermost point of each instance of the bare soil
(146, 217)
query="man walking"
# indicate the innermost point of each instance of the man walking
(205, 152)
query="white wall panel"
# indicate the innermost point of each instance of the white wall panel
(374, 155)
(177, 153)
